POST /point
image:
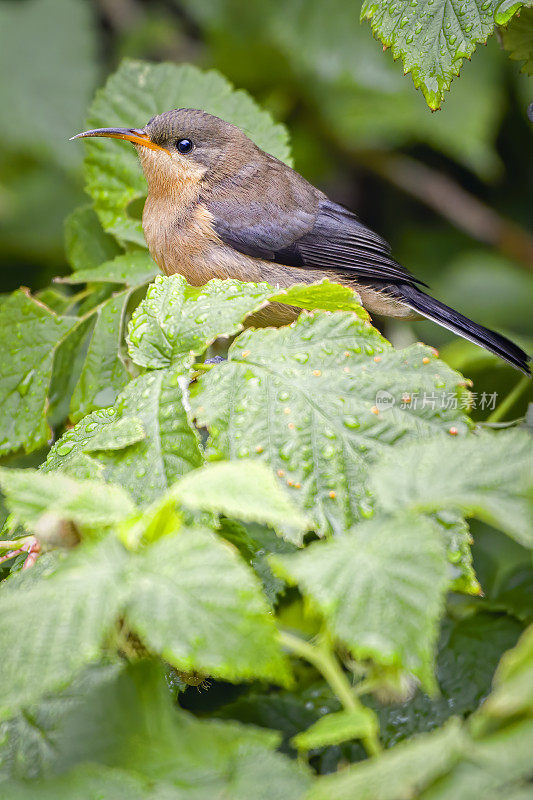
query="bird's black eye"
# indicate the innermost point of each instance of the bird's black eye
(184, 145)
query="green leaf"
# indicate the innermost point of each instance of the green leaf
(124, 722)
(115, 435)
(196, 603)
(517, 38)
(56, 57)
(131, 96)
(513, 686)
(505, 572)
(380, 589)
(323, 295)
(31, 493)
(133, 269)
(103, 374)
(176, 321)
(337, 727)
(494, 767)
(400, 772)
(30, 334)
(91, 781)
(304, 399)
(431, 38)
(245, 490)
(188, 597)
(458, 539)
(468, 653)
(86, 244)
(486, 476)
(72, 611)
(68, 363)
(146, 465)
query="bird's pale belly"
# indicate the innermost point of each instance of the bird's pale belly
(193, 249)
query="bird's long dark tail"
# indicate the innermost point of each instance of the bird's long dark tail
(456, 322)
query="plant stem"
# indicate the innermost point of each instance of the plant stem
(323, 659)
(13, 544)
(509, 401)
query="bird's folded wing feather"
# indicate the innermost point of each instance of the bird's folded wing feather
(286, 220)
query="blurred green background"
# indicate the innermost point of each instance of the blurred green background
(452, 191)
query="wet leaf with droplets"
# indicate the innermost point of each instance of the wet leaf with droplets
(103, 374)
(517, 38)
(30, 334)
(432, 37)
(151, 458)
(486, 476)
(31, 493)
(320, 400)
(244, 490)
(176, 321)
(381, 590)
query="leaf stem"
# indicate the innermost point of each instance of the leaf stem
(14, 544)
(324, 660)
(509, 401)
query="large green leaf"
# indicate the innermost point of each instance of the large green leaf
(125, 723)
(103, 374)
(305, 399)
(513, 687)
(69, 614)
(91, 781)
(176, 321)
(244, 490)
(134, 269)
(30, 334)
(487, 476)
(146, 464)
(31, 493)
(47, 50)
(468, 653)
(380, 589)
(196, 602)
(86, 244)
(138, 91)
(399, 773)
(432, 38)
(189, 597)
(517, 38)
(498, 766)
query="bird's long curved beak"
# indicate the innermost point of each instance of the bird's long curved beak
(135, 135)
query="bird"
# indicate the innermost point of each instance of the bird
(218, 206)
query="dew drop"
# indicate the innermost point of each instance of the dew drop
(24, 385)
(351, 422)
(65, 448)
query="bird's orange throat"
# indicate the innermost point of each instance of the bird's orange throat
(171, 175)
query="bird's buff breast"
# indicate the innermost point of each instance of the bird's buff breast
(188, 245)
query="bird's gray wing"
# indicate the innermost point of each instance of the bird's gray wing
(286, 220)
(338, 240)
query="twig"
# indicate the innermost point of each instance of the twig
(445, 196)
(326, 663)
(508, 402)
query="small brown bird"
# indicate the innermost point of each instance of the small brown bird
(220, 207)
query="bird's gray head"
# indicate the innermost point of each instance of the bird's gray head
(184, 142)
